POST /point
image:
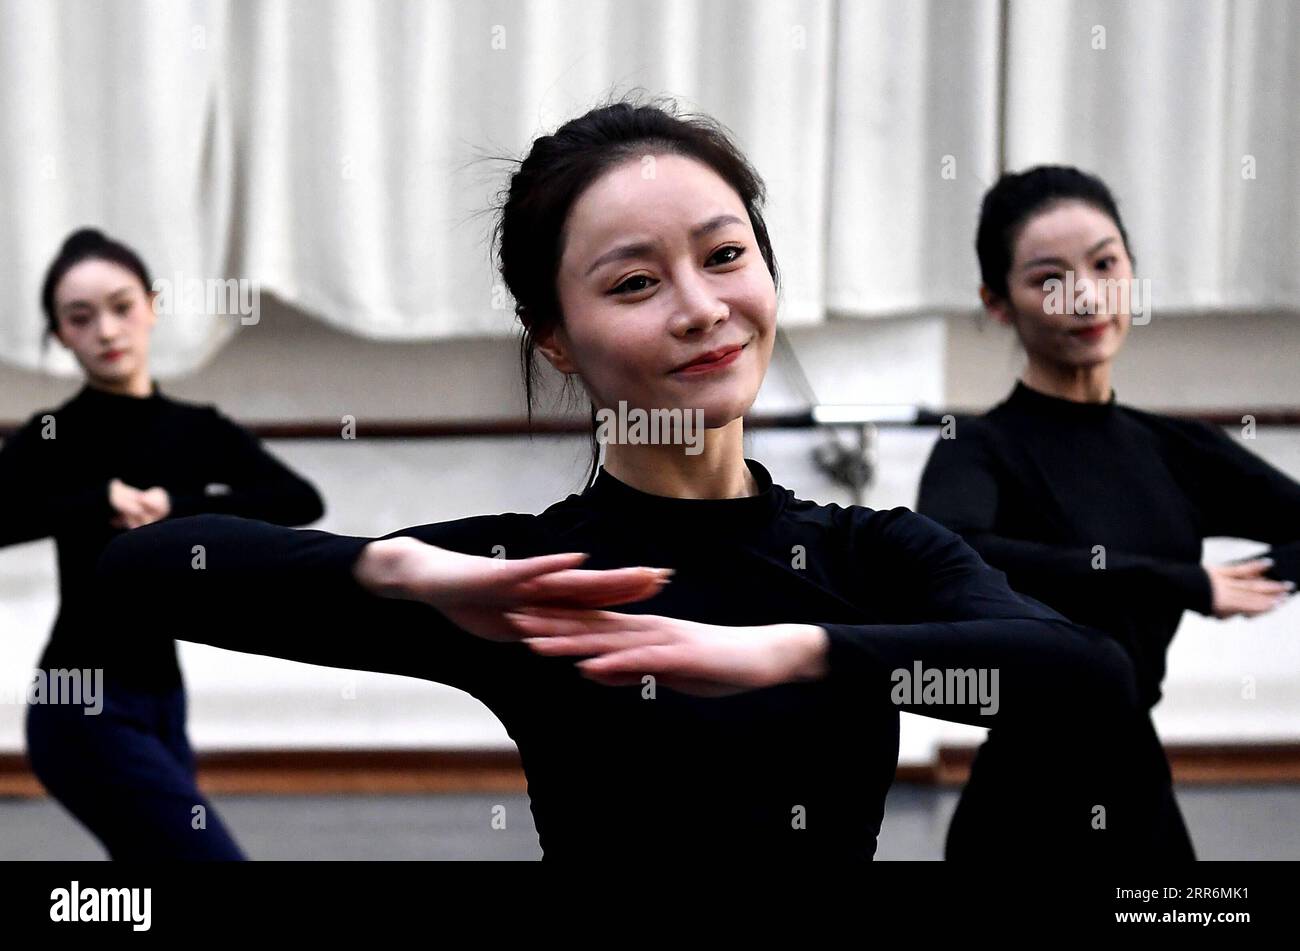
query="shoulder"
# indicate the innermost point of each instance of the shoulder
(206, 419)
(568, 517)
(40, 426)
(902, 531)
(76, 403)
(966, 441)
(1188, 434)
(996, 429)
(208, 412)
(41, 418)
(911, 559)
(890, 536)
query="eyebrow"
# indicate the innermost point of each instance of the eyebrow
(641, 248)
(72, 305)
(1057, 261)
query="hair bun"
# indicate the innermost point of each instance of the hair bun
(84, 239)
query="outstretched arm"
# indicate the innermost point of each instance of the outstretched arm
(960, 490)
(258, 484)
(397, 605)
(951, 614)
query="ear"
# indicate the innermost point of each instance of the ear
(555, 348)
(153, 307)
(997, 307)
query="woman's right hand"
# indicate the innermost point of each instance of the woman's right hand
(136, 507)
(477, 593)
(1243, 589)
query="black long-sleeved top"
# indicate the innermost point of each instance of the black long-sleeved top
(54, 477)
(611, 773)
(1038, 482)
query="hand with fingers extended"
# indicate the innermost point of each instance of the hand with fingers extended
(1243, 588)
(706, 660)
(477, 593)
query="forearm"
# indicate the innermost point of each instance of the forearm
(1036, 666)
(279, 501)
(384, 567)
(1059, 573)
(28, 514)
(264, 589)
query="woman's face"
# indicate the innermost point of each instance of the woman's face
(1084, 321)
(105, 317)
(659, 268)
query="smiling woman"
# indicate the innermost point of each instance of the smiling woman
(682, 315)
(1091, 506)
(743, 710)
(694, 243)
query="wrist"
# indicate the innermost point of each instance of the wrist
(382, 568)
(809, 647)
(1201, 594)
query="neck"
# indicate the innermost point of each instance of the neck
(1089, 384)
(718, 471)
(137, 384)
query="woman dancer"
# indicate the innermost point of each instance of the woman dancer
(1090, 506)
(117, 456)
(758, 709)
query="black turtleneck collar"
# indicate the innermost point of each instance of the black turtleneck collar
(1035, 401)
(94, 397)
(608, 493)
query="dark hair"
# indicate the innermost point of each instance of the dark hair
(84, 245)
(529, 232)
(1018, 196)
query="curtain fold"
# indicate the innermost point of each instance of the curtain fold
(367, 139)
(112, 116)
(915, 147)
(1189, 112)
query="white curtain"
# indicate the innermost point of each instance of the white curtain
(915, 146)
(1191, 112)
(111, 115)
(336, 154)
(363, 127)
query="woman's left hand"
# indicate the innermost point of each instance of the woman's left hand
(706, 660)
(146, 507)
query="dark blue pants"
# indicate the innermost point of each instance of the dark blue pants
(127, 773)
(1033, 790)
